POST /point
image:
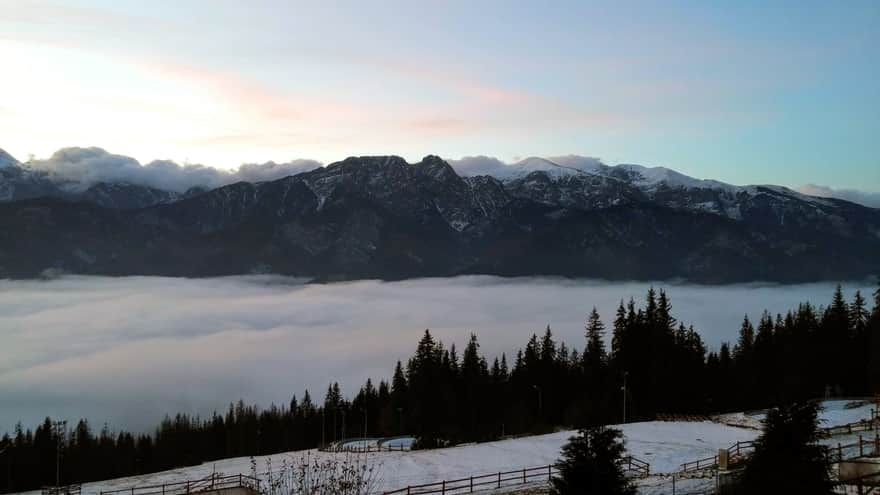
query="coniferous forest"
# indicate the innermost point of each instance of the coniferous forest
(445, 395)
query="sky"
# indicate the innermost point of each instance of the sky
(128, 350)
(742, 92)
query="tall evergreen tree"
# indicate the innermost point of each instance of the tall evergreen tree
(594, 354)
(591, 465)
(788, 457)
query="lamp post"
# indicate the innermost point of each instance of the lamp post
(60, 429)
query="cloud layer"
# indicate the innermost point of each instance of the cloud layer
(79, 168)
(129, 350)
(860, 197)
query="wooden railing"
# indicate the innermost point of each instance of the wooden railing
(631, 466)
(866, 448)
(848, 429)
(736, 453)
(481, 482)
(62, 490)
(374, 445)
(213, 482)
(635, 467)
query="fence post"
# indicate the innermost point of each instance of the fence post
(499, 479)
(861, 449)
(524, 476)
(472, 484)
(443, 488)
(549, 472)
(839, 452)
(673, 484)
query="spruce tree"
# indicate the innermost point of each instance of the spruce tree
(594, 355)
(591, 465)
(787, 456)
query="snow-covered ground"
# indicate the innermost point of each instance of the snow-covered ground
(833, 413)
(663, 444)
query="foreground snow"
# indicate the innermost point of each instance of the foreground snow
(665, 445)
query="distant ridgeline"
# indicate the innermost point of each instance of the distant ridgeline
(381, 217)
(444, 398)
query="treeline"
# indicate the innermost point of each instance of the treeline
(654, 365)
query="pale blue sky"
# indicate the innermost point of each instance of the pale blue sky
(736, 91)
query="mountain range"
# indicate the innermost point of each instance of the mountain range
(381, 217)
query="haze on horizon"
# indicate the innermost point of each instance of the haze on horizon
(747, 94)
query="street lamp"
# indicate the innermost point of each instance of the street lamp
(60, 428)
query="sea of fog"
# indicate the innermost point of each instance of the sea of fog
(126, 351)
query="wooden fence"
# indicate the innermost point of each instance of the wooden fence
(848, 429)
(213, 482)
(864, 447)
(631, 465)
(62, 490)
(735, 453)
(364, 449)
(366, 445)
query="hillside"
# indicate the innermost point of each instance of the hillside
(381, 217)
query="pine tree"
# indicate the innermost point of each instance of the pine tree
(744, 345)
(858, 313)
(594, 355)
(591, 465)
(787, 456)
(617, 335)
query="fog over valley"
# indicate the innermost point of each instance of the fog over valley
(126, 351)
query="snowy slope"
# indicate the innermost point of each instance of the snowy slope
(833, 413)
(663, 444)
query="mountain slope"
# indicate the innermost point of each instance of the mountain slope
(381, 217)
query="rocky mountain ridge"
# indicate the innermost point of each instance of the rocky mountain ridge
(381, 217)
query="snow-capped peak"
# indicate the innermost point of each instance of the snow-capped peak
(6, 160)
(536, 164)
(647, 177)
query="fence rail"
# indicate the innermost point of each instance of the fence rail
(735, 453)
(366, 445)
(869, 447)
(631, 465)
(863, 425)
(62, 490)
(213, 482)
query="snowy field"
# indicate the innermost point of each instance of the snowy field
(663, 444)
(833, 413)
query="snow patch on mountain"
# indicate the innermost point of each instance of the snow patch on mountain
(7, 160)
(649, 177)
